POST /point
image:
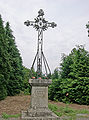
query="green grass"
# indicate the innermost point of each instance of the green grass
(6, 116)
(60, 111)
(66, 111)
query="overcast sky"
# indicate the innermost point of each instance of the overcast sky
(71, 17)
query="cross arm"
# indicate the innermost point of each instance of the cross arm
(29, 23)
(52, 24)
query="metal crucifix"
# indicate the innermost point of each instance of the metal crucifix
(40, 24)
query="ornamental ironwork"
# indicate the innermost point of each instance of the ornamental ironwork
(40, 24)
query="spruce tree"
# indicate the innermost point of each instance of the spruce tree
(4, 61)
(3, 90)
(76, 83)
(55, 74)
(73, 82)
(15, 82)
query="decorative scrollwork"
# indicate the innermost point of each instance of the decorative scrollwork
(40, 24)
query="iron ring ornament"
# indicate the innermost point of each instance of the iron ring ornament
(40, 24)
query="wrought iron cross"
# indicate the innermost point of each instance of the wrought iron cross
(40, 24)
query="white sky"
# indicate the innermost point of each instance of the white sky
(71, 17)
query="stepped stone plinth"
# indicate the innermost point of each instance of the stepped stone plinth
(38, 109)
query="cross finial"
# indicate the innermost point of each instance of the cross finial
(40, 22)
(40, 12)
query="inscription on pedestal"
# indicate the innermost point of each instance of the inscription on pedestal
(39, 93)
(39, 97)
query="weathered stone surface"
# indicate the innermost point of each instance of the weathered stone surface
(39, 93)
(39, 97)
(40, 82)
(39, 114)
(38, 109)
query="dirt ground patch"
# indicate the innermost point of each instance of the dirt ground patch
(15, 104)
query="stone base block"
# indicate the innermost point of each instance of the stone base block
(38, 109)
(39, 114)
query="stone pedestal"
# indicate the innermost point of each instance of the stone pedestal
(38, 109)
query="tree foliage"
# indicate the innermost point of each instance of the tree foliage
(3, 90)
(55, 75)
(4, 61)
(73, 83)
(26, 85)
(11, 69)
(15, 81)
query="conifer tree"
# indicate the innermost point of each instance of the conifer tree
(76, 82)
(76, 63)
(73, 82)
(4, 62)
(15, 82)
(55, 74)
(3, 90)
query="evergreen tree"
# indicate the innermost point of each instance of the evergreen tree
(4, 61)
(65, 66)
(55, 74)
(3, 90)
(15, 82)
(74, 78)
(26, 86)
(77, 64)
(76, 83)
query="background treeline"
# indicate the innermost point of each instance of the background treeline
(13, 76)
(70, 80)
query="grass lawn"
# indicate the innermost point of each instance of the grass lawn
(67, 111)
